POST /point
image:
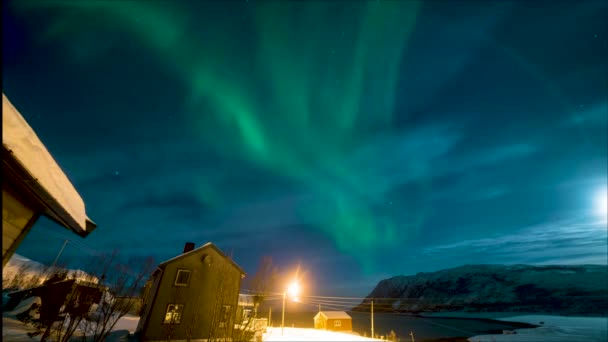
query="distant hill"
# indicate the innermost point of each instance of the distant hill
(21, 272)
(581, 289)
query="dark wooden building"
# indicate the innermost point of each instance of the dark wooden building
(333, 320)
(72, 295)
(192, 296)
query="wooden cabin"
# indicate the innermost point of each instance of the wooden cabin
(58, 298)
(333, 320)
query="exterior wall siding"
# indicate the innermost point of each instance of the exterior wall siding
(345, 324)
(324, 323)
(211, 285)
(17, 220)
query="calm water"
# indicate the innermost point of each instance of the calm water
(423, 328)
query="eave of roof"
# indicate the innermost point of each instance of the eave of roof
(196, 250)
(335, 314)
(33, 166)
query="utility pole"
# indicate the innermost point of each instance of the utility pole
(412, 335)
(65, 242)
(372, 318)
(269, 315)
(283, 318)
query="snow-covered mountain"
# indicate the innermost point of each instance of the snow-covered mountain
(557, 289)
(21, 272)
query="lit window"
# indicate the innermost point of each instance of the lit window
(337, 323)
(182, 278)
(174, 313)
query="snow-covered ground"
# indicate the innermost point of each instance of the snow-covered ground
(23, 306)
(553, 329)
(16, 331)
(127, 322)
(301, 334)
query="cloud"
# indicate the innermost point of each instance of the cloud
(559, 241)
(408, 155)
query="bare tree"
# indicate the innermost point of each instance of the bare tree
(222, 316)
(15, 281)
(122, 280)
(113, 279)
(262, 281)
(260, 285)
(75, 311)
(72, 310)
(25, 277)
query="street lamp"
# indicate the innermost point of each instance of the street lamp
(293, 289)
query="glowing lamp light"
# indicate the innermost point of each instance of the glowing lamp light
(293, 289)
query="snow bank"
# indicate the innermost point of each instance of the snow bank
(127, 322)
(554, 329)
(118, 336)
(16, 331)
(301, 334)
(24, 306)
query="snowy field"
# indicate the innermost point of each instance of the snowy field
(14, 330)
(308, 334)
(554, 329)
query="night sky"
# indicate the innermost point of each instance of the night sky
(359, 140)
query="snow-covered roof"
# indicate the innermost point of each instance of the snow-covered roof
(334, 314)
(245, 299)
(42, 173)
(205, 246)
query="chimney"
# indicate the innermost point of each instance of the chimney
(188, 247)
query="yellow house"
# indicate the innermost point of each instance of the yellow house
(333, 320)
(33, 185)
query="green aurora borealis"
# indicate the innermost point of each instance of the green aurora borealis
(334, 100)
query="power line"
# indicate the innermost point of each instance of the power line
(77, 244)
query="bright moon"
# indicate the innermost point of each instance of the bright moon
(602, 203)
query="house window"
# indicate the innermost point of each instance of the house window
(225, 316)
(337, 323)
(246, 314)
(174, 313)
(182, 278)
